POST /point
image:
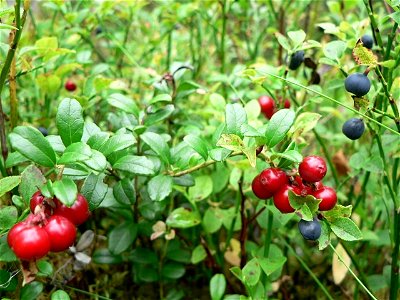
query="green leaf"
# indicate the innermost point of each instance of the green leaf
(364, 56)
(198, 144)
(324, 239)
(97, 161)
(298, 202)
(235, 117)
(98, 140)
(346, 229)
(202, 189)
(297, 37)
(304, 122)
(8, 217)
(124, 103)
(390, 64)
(14, 159)
(48, 83)
(173, 270)
(31, 180)
(69, 121)
(31, 143)
(104, 256)
(283, 41)
(136, 165)
(251, 272)
(8, 183)
(60, 295)
(31, 290)
(6, 254)
(66, 191)
(395, 16)
(183, 218)
(8, 282)
(334, 50)
(217, 286)
(231, 142)
(122, 237)
(45, 268)
(272, 264)
(159, 115)
(211, 222)
(94, 190)
(116, 143)
(219, 154)
(76, 152)
(198, 254)
(292, 155)
(158, 145)
(161, 98)
(339, 211)
(159, 187)
(124, 192)
(278, 126)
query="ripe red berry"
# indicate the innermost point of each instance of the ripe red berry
(312, 168)
(39, 199)
(70, 86)
(281, 198)
(287, 103)
(328, 197)
(259, 190)
(78, 213)
(28, 242)
(61, 232)
(267, 106)
(273, 179)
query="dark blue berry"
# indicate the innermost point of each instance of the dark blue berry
(367, 41)
(357, 84)
(310, 230)
(353, 128)
(296, 59)
(43, 131)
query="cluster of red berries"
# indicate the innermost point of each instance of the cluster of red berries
(268, 106)
(51, 226)
(274, 182)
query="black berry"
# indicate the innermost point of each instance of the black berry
(43, 131)
(357, 84)
(353, 128)
(296, 59)
(310, 230)
(367, 41)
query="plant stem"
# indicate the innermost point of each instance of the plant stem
(394, 273)
(352, 273)
(243, 230)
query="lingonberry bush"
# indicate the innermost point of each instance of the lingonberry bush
(199, 149)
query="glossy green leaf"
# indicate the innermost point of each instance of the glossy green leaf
(97, 140)
(304, 122)
(161, 98)
(211, 221)
(159, 115)
(198, 145)
(198, 254)
(60, 295)
(324, 239)
(76, 152)
(94, 190)
(14, 159)
(70, 121)
(217, 286)
(202, 189)
(66, 191)
(235, 117)
(8, 282)
(116, 143)
(45, 268)
(124, 192)
(219, 154)
(272, 264)
(159, 187)
(122, 237)
(31, 180)
(8, 183)
(31, 290)
(136, 165)
(334, 50)
(173, 270)
(124, 103)
(31, 143)
(278, 126)
(104, 256)
(183, 218)
(297, 37)
(158, 145)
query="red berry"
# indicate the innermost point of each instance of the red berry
(273, 179)
(70, 86)
(287, 103)
(267, 106)
(28, 241)
(281, 198)
(312, 168)
(38, 199)
(62, 233)
(78, 213)
(328, 197)
(259, 190)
